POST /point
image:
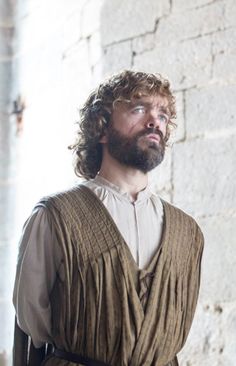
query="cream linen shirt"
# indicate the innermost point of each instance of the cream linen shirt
(40, 259)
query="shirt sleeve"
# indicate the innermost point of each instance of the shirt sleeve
(39, 261)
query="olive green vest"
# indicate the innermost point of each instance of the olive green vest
(106, 308)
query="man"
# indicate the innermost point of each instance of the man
(108, 272)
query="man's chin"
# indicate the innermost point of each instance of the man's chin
(149, 144)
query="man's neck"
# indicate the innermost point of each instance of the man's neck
(128, 179)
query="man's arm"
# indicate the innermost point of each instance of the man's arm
(38, 262)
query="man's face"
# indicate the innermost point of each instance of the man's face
(136, 136)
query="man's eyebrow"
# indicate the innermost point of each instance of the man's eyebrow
(143, 103)
(165, 110)
(139, 102)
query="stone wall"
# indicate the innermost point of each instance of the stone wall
(7, 179)
(65, 48)
(193, 44)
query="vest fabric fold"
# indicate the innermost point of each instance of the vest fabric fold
(103, 306)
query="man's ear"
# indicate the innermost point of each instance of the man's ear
(103, 139)
(106, 120)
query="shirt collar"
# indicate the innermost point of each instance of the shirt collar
(146, 193)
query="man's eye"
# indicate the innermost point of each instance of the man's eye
(139, 109)
(163, 118)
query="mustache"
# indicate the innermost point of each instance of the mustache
(148, 131)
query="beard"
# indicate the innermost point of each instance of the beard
(135, 153)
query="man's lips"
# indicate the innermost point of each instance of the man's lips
(154, 137)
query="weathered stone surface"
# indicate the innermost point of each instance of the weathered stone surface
(185, 64)
(6, 312)
(211, 110)
(230, 13)
(229, 328)
(6, 12)
(4, 132)
(224, 68)
(7, 208)
(179, 5)
(5, 85)
(219, 232)
(117, 57)
(223, 41)
(35, 26)
(178, 133)
(205, 175)
(212, 339)
(71, 30)
(76, 74)
(143, 43)
(95, 51)
(191, 23)
(160, 177)
(97, 74)
(8, 255)
(128, 19)
(90, 17)
(6, 34)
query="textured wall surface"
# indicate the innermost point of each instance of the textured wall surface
(193, 44)
(64, 48)
(7, 179)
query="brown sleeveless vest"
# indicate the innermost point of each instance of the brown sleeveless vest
(105, 307)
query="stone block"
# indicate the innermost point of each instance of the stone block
(6, 35)
(230, 13)
(4, 132)
(75, 6)
(219, 258)
(160, 177)
(8, 191)
(95, 51)
(178, 133)
(128, 19)
(71, 32)
(193, 23)
(76, 71)
(229, 350)
(7, 316)
(224, 68)
(204, 176)
(183, 4)
(5, 85)
(91, 18)
(7, 9)
(97, 74)
(211, 110)
(224, 41)
(212, 338)
(8, 255)
(116, 58)
(40, 69)
(36, 27)
(143, 43)
(185, 64)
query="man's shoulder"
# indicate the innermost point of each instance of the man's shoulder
(68, 194)
(178, 210)
(183, 217)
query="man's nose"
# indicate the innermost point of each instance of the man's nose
(153, 120)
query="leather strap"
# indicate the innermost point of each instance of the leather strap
(74, 357)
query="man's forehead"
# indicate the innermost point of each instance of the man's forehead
(153, 100)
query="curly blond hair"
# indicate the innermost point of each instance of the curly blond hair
(95, 115)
